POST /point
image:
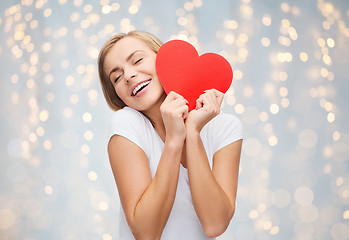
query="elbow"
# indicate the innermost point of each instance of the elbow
(216, 228)
(146, 233)
(147, 236)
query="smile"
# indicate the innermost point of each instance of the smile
(139, 87)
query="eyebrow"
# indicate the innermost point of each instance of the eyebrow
(127, 59)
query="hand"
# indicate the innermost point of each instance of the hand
(174, 111)
(207, 107)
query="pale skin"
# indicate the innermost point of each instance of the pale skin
(147, 201)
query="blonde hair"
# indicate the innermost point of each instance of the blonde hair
(113, 100)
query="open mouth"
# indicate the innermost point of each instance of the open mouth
(140, 87)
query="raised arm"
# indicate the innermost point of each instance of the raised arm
(147, 202)
(213, 192)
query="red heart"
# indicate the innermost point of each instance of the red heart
(182, 70)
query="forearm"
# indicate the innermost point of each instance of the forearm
(211, 203)
(154, 207)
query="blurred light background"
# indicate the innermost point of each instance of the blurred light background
(290, 89)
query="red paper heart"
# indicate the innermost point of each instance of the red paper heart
(182, 70)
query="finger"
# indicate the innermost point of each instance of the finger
(215, 91)
(212, 96)
(205, 101)
(185, 111)
(210, 102)
(180, 111)
(172, 100)
(200, 102)
(220, 99)
(198, 105)
(172, 96)
(209, 99)
(178, 102)
(219, 96)
(175, 107)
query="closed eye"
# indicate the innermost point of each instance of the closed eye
(116, 79)
(139, 60)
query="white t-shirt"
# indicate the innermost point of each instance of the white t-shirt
(183, 223)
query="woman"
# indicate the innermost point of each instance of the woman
(176, 171)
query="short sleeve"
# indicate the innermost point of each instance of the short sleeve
(128, 123)
(227, 129)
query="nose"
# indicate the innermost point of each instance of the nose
(129, 74)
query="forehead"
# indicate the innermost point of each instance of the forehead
(122, 49)
(128, 45)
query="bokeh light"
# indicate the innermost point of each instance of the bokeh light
(290, 63)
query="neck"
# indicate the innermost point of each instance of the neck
(154, 115)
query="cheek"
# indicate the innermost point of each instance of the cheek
(120, 91)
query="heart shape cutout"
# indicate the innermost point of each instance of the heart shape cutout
(182, 70)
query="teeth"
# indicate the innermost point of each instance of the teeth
(139, 87)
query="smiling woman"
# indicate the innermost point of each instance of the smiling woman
(176, 170)
(129, 64)
(112, 99)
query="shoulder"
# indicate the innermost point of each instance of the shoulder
(224, 121)
(222, 130)
(125, 116)
(128, 123)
